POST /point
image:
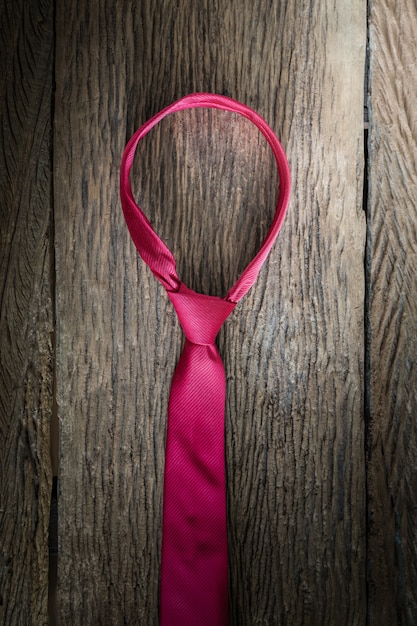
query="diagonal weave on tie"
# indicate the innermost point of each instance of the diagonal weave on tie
(194, 568)
(194, 524)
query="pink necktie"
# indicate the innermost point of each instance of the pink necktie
(194, 569)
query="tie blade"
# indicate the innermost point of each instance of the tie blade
(194, 546)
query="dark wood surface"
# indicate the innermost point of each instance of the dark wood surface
(320, 356)
(392, 449)
(26, 313)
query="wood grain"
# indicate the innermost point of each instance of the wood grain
(392, 260)
(26, 368)
(292, 349)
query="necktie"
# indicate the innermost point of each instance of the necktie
(194, 568)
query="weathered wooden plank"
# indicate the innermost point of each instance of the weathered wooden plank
(293, 348)
(392, 259)
(26, 368)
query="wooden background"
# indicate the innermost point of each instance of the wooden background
(321, 415)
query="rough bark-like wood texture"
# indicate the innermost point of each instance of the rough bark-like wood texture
(292, 349)
(26, 44)
(392, 253)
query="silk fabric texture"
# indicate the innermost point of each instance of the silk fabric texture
(194, 567)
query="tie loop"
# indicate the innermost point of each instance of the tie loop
(152, 249)
(200, 316)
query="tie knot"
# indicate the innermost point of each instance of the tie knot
(201, 316)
